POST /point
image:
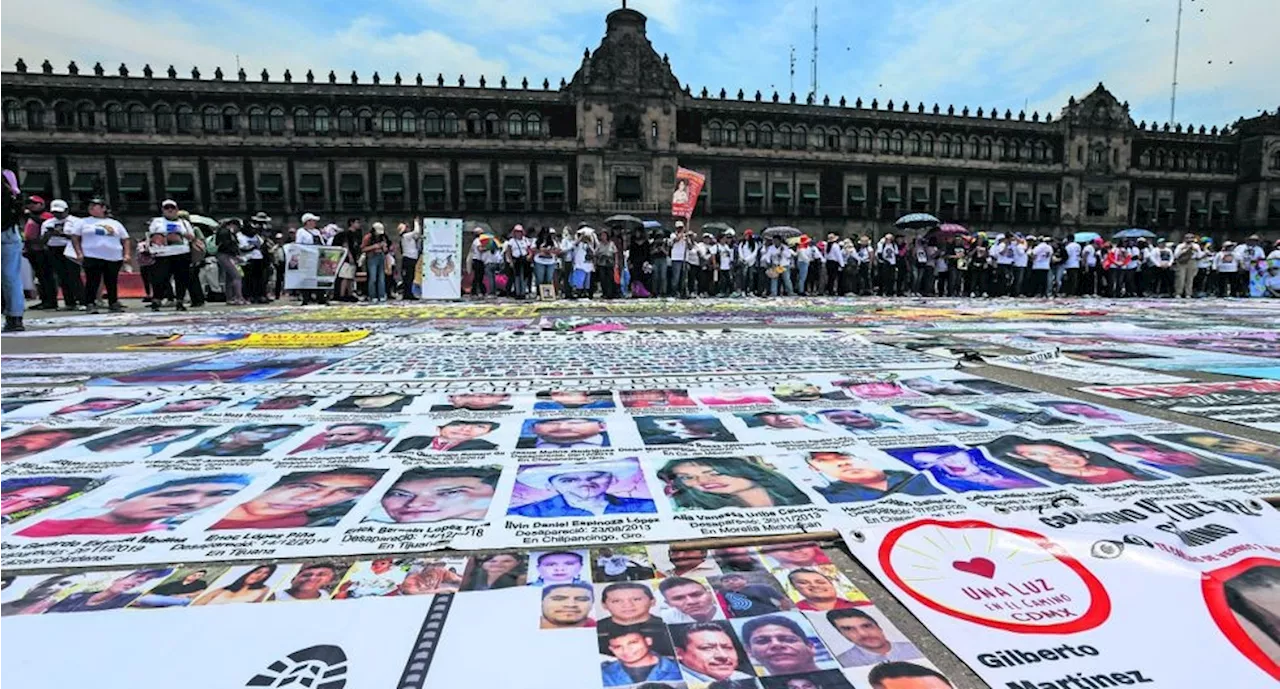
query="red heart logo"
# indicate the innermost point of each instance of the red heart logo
(980, 566)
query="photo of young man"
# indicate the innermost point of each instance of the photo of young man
(709, 652)
(782, 644)
(187, 405)
(120, 590)
(655, 398)
(567, 433)
(459, 435)
(792, 555)
(557, 567)
(1227, 446)
(560, 400)
(42, 595)
(312, 581)
(475, 401)
(1166, 458)
(622, 563)
(870, 644)
(822, 587)
(682, 430)
(36, 440)
(277, 403)
(566, 606)
(688, 600)
(578, 490)
(635, 660)
(93, 407)
(303, 499)
(749, 594)
(421, 496)
(941, 417)
(961, 469)
(902, 675)
(144, 441)
(684, 562)
(249, 440)
(628, 607)
(182, 587)
(160, 506)
(853, 479)
(385, 403)
(372, 578)
(28, 496)
(349, 438)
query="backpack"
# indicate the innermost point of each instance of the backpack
(10, 204)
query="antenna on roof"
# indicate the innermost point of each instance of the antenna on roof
(813, 61)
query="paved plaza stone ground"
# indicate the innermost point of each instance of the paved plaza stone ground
(538, 346)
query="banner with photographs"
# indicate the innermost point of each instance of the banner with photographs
(441, 263)
(312, 266)
(256, 340)
(1075, 597)
(242, 470)
(1053, 364)
(1253, 403)
(773, 616)
(688, 187)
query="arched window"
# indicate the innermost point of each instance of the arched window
(944, 145)
(515, 124)
(492, 125)
(1224, 164)
(346, 121)
(799, 137)
(766, 135)
(257, 120)
(851, 141)
(35, 115)
(209, 120)
(390, 122)
(533, 125)
(915, 146)
(1002, 148)
(1144, 160)
(431, 123)
(86, 117)
(731, 133)
(1181, 160)
(364, 121)
(715, 134)
(750, 137)
(475, 126)
(450, 123)
(322, 120)
(1275, 159)
(899, 140)
(818, 138)
(64, 115)
(882, 142)
(972, 148)
(1042, 152)
(164, 119)
(117, 120)
(138, 118)
(408, 122)
(926, 145)
(186, 119)
(14, 116)
(864, 141)
(275, 120)
(784, 135)
(303, 121)
(230, 119)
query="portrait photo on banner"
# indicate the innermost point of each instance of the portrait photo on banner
(712, 483)
(303, 499)
(424, 495)
(616, 486)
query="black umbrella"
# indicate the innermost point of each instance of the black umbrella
(916, 221)
(784, 231)
(718, 228)
(625, 220)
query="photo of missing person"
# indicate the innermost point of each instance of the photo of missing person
(312, 581)
(634, 658)
(423, 496)
(712, 483)
(942, 417)
(565, 433)
(144, 441)
(567, 606)
(906, 675)
(993, 387)
(655, 398)
(1166, 458)
(688, 600)
(499, 571)
(1253, 596)
(112, 591)
(349, 438)
(1084, 410)
(559, 567)
(738, 559)
(232, 367)
(823, 679)
(430, 575)
(622, 563)
(792, 555)
(960, 469)
(373, 578)
(303, 499)
(929, 385)
(43, 593)
(683, 562)
(850, 478)
(93, 407)
(28, 496)
(1057, 462)
(865, 420)
(249, 440)
(784, 424)
(818, 588)
(788, 393)
(159, 504)
(277, 403)
(581, 490)
(682, 430)
(783, 644)
(459, 435)
(561, 400)
(243, 584)
(33, 441)
(629, 606)
(181, 588)
(1016, 413)
(735, 397)
(475, 401)
(749, 594)
(1227, 446)
(185, 405)
(874, 390)
(709, 652)
(385, 403)
(863, 636)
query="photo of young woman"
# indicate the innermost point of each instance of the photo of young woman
(496, 571)
(248, 584)
(1060, 463)
(712, 483)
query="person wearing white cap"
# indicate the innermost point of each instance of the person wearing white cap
(308, 234)
(62, 254)
(169, 240)
(374, 249)
(517, 251)
(581, 491)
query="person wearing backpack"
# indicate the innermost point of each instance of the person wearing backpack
(10, 247)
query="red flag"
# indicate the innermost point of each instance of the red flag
(688, 187)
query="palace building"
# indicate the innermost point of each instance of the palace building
(609, 140)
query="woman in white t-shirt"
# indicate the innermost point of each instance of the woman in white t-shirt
(102, 247)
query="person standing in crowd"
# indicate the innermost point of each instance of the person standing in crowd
(1090, 258)
(1071, 283)
(517, 252)
(545, 252)
(606, 263)
(1186, 259)
(660, 264)
(1204, 268)
(1248, 255)
(1226, 266)
(639, 265)
(227, 245)
(746, 257)
(804, 259)
(584, 265)
(308, 234)
(726, 255)
(58, 243)
(15, 299)
(695, 260)
(680, 246)
(277, 267)
(38, 255)
(253, 257)
(886, 265)
(477, 263)
(835, 260)
(351, 239)
(1041, 257)
(102, 246)
(410, 250)
(169, 243)
(493, 256)
(373, 247)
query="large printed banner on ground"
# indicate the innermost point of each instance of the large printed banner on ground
(440, 267)
(1176, 592)
(309, 266)
(236, 470)
(256, 340)
(1248, 403)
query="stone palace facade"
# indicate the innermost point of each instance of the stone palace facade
(609, 140)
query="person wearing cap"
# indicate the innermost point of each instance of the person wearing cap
(726, 252)
(410, 250)
(102, 247)
(373, 247)
(517, 252)
(308, 234)
(1248, 256)
(37, 255)
(835, 260)
(15, 300)
(581, 491)
(168, 241)
(61, 254)
(255, 252)
(680, 247)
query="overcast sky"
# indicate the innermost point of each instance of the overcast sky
(989, 53)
